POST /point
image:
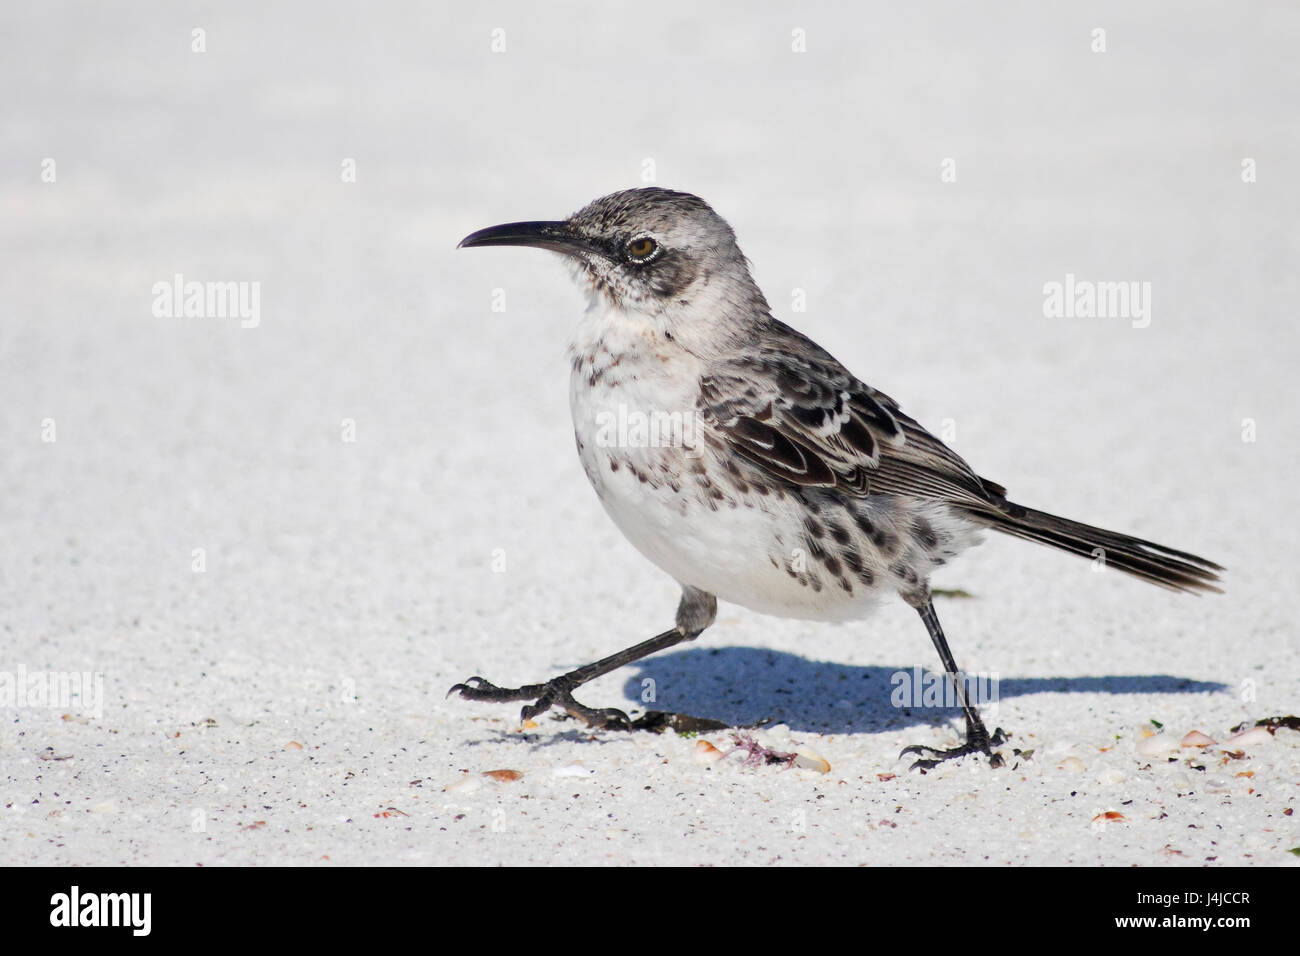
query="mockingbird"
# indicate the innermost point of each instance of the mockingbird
(783, 484)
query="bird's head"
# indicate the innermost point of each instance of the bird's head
(648, 250)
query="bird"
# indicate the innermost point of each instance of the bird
(750, 465)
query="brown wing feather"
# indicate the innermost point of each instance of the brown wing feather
(790, 408)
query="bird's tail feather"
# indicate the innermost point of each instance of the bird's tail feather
(1176, 570)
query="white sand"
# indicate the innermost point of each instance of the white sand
(348, 584)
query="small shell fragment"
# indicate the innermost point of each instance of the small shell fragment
(1071, 765)
(811, 761)
(1196, 739)
(467, 784)
(705, 752)
(292, 745)
(1110, 816)
(1256, 735)
(1157, 745)
(503, 776)
(574, 769)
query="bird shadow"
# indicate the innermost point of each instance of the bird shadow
(743, 686)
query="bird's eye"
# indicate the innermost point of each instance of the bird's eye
(642, 249)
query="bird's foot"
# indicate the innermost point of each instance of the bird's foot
(554, 693)
(977, 741)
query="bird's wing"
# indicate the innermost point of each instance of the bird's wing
(786, 405)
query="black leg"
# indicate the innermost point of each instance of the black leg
(977, 735)
(696, 611)
(558, 692)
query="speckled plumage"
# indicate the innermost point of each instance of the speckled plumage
(807, 541)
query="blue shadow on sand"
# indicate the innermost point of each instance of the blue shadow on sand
(744, 685)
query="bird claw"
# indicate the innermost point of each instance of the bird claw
(975, 743)
(598, 718)
(555, 693)
(479, 688)
(468, 688)
(558, 694)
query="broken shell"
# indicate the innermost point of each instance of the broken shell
(1110, 816)
(1256, 735)
(705, 752)
(574, 769)
(1196, 739)
(1157, 745)
(467, 783)
(811, 761)
(503, 776)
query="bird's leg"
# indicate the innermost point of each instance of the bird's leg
(978, 739)
(696, 612)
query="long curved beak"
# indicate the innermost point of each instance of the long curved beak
(556, 236)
